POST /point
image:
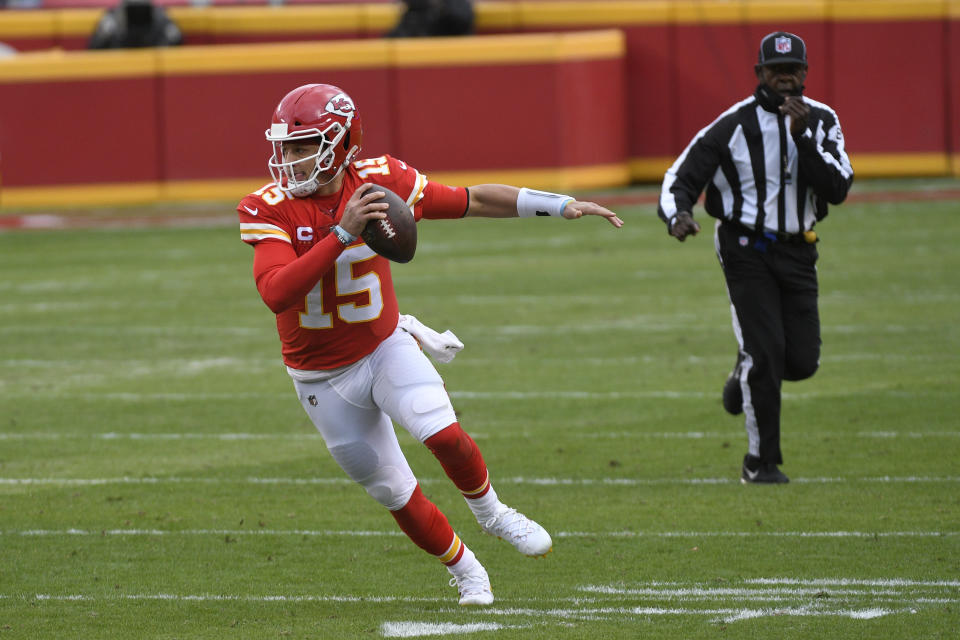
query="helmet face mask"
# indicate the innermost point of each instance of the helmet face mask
(313, 114)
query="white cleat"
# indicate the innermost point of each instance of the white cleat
(527, 537)
(474, 587)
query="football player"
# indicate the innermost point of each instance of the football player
(353, 368)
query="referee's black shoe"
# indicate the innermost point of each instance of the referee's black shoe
(732, 393)
(756, 472)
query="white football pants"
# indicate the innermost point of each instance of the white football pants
(353, 412)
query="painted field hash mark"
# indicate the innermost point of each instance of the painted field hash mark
(421, 629)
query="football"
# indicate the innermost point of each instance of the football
(394, 237)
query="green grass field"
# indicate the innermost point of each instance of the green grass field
(158, 478)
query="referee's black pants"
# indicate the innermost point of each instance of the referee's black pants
(773, 297)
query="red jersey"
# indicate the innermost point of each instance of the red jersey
(334, 304)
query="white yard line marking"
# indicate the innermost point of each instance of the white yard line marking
(111, 435)
(165, 330)
(699, 481)
(577, 395)
(493, 395)
(307, 435)
(456, 395)
(717, 593)
(173, 597)
(202, 532)
(558, 534)
(844, 582)
(853, 598)
(561, 482)
(720, 615)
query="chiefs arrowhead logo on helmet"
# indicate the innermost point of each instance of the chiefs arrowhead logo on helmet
(342, 105)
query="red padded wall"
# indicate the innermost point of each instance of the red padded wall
(889, 88)
(213, 124)
(75, 132)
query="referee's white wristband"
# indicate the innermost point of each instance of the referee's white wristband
(541, 203)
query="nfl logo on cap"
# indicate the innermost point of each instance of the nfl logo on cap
(782, 47)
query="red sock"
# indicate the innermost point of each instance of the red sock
(461, 460)
(423, 523)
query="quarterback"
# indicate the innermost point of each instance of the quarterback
(356, 363)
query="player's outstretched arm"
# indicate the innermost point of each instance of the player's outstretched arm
(504, 201)
(577, 208)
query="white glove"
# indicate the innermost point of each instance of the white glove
(442, 347)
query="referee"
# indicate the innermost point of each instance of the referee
(770, 164)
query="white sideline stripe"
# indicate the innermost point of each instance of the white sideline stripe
(559, 534)
(664, 435)
(563, 482)
(583, 482)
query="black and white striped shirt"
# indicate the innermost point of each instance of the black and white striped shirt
(756, 174)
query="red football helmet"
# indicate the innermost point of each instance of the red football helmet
(319, 114)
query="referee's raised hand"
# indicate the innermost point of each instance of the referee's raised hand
(798, 110)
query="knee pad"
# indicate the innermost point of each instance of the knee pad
(389, 485)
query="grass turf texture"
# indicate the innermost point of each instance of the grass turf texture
(158, 478)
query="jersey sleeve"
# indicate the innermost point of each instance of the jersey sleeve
(260, 221)
(443, 202)
(692, 170)
(430, 200)
(394, 174)
(283, 276)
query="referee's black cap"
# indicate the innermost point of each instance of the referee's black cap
(779, 47)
